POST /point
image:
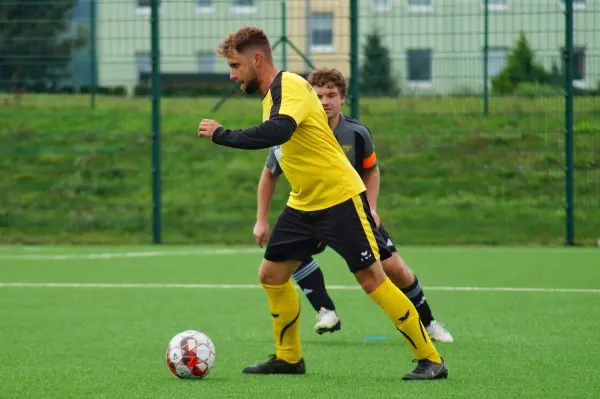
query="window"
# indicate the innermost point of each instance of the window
(204, 6)
(143, 6)
(419, 67)
(144, 64)
(577, 4)
(321, 25)
(382, 5)
(243, 6)
(206, 62)
(496, 61)
(496, 5)
(578, 65)
(420, 5)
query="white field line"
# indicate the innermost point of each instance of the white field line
(150, 254)
(257, 286)
(232, 251)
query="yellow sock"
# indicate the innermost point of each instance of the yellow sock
(285, 310)
(404, 315)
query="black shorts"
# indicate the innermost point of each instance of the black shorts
(348, 228)
(382, 252)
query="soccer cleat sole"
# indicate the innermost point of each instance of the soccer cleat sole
(441, 374)
(266, 368)
(336, 327)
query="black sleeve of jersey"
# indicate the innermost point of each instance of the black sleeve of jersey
(275, 131)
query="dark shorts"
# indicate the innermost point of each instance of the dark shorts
(348, 228)
(391, 248)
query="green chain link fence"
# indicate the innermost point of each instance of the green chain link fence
(483, 132)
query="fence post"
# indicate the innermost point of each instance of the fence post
(156, 176)
(354, 61)
(569, 177)
(93, 58)
(486, 34)
(308, 29)
(284, 34)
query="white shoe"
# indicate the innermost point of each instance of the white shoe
(437, 332)
(327, 321)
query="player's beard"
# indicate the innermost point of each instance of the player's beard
(251, 86)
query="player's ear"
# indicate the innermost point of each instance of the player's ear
(257, 59)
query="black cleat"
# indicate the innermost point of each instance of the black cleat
(428, 370)
(276, 366)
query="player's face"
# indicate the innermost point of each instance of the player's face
(331, 99)
(242, 71)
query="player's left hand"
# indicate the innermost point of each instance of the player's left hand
(376, 218)
(207, 127)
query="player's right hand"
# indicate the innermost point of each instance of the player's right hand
(261, 232)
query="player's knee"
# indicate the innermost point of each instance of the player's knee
(272, 273)
(371, 277)
(398, 271)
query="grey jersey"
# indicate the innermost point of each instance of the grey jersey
(354, 138)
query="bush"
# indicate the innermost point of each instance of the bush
(521, 67)
(376, 71)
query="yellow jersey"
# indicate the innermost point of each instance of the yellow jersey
(319, 173)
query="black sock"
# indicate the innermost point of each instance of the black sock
(310, 278)
(416, 296)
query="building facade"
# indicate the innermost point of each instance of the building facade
(436, 46)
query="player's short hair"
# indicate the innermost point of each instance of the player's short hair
(244, 39)
(329, 77)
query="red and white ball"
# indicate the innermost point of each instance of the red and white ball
(191, 355)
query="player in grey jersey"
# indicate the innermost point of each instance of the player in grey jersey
(355, 140)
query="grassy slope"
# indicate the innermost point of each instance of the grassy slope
(449, 174)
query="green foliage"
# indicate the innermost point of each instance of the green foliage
(521, 67)
(34, 41)
(376, 71)
(449, 175)
(532, 90)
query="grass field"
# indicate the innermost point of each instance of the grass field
(94, 322)
(449, 174)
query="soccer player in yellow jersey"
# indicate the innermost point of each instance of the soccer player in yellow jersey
(327, 205)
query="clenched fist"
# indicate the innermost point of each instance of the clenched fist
(207, 127)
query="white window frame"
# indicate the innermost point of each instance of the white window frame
(381, 8)
(142, 10)
(495, 7)
(237, 9)
(419, 8)
(323, 48)
(200, 9)
(419, 84)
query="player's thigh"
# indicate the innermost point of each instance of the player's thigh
(349, 229)
(292, 238)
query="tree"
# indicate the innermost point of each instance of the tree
(376, 71)
(521, 67)
(35, 45)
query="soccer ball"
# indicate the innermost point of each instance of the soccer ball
(191, 354)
